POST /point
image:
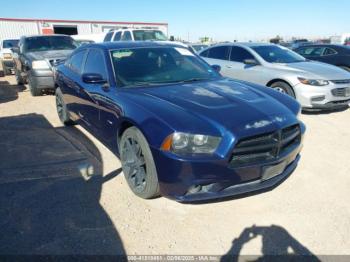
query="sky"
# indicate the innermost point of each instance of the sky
(222, 20)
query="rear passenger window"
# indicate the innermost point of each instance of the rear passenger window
(329, 51)
(205, 53)
(126, 36)
(95, 63)
(76, 61)
(108, 37)
(220, 52)
(117, 36)
(239, 54)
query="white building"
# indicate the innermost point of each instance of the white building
(14, 28)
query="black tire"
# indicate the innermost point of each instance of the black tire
(19, 79)
(138, 165)
(283, 87)
(61, 109)
(345, 68)
(34, 90)
(2, 73)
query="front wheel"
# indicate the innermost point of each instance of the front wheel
(283, 88)
(34, 90)
(138, 165)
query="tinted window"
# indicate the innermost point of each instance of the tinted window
(47, 43)
(312, 51)
(205, 53)
(239, 54)
(220, 52)
(277, 54)
(76, 61)
(108, 37)
(330, 51)
(154, 66)
(126, 36)
(95, 63)
(10, 43)
(117, 36)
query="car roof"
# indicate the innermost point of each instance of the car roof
(244, 44)
(29, 36)
(130, 44)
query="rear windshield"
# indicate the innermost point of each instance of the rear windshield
(10, 43)
(42, 43)
(142, 35)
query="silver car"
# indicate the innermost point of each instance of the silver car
(313, 84)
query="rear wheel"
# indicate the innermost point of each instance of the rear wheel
(61, 108)
(138, 164)
(284, 88)
(19, 79)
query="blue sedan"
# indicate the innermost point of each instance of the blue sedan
(180, 129)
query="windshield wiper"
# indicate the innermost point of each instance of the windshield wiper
(193, 80)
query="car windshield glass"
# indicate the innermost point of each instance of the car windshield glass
(199, 47)
(142, 35)
(159, 65)
(276, 54)
(10, 43)
(42, 43)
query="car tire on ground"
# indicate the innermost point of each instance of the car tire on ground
(61, 109)
(34, 90)
(138, 165)
(283, 87)
(2, 73)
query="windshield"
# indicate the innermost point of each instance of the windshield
(10, 43)
(142, 35)
(42, 43)
(159, 65)
(198, 48)
(276, 54)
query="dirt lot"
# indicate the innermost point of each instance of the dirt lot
(51, 204)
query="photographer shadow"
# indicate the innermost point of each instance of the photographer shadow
(277, 245)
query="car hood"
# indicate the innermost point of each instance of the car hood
(52, 54)
(226, 104)
(316, 69)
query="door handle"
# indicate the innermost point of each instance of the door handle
(228, 66)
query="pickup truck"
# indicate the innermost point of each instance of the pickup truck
(36, 58)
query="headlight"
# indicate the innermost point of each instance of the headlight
(184, 143)
(313, 82)
(40, 64)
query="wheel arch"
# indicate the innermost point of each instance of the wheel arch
(269, 84)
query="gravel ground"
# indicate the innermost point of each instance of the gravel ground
(51, 204)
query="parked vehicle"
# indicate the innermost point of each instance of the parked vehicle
(130, 34)
(180, 129)
(338, 55)
(90, 38)
(315, 85)
(36, 57)
(198, 47)
(299, 42)
(6, 56)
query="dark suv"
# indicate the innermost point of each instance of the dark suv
(36, 57)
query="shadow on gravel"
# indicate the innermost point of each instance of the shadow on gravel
(277, 245)
(9, 92)
(50, 187)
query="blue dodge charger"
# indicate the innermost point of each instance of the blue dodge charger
(180, 129)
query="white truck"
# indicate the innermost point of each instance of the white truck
(7, 64)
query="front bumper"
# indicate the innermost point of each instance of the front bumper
(321, 97)
(42, 79)
(178, 178)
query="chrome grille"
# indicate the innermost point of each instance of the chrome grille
(265, 147)
(344, 81)
(341, 92)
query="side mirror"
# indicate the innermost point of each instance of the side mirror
(92, 78)
(252, 62)
(216, 68)
(15, 49)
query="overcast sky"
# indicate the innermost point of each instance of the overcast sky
(220, 19)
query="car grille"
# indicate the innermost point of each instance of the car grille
(345, 81)
(265, 147)
(341, 92)
(54, 62)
